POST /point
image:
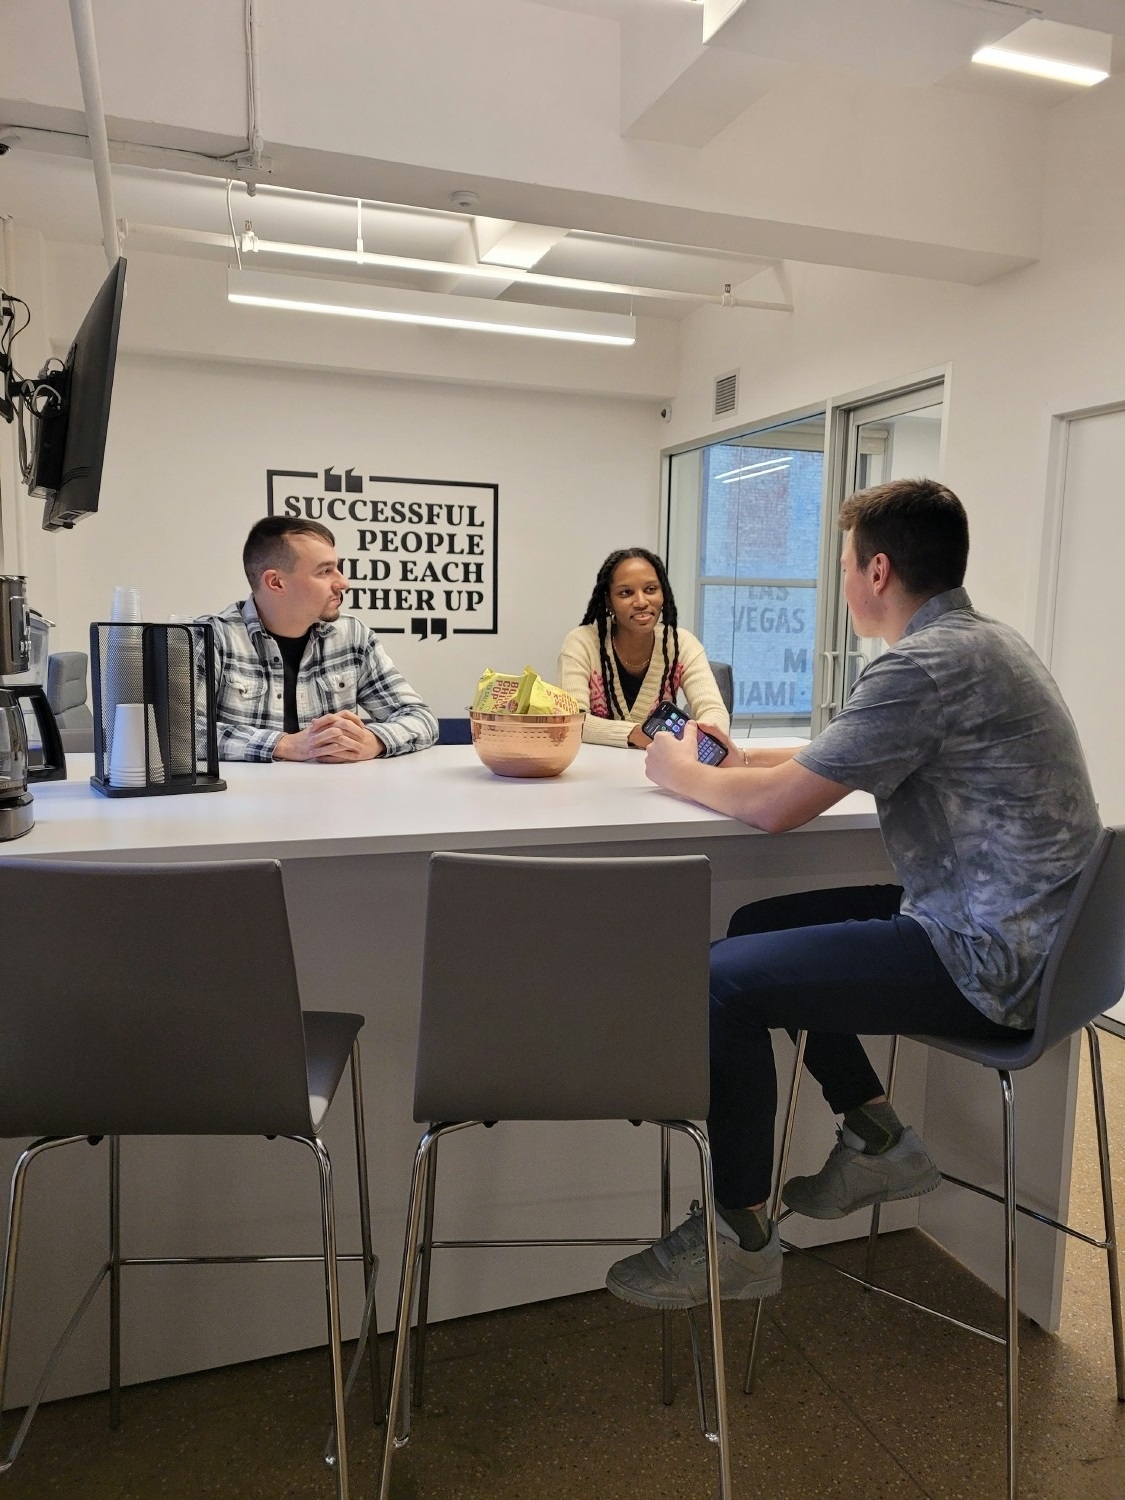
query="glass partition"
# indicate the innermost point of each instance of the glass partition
(744, 538)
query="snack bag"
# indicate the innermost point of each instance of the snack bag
(545, 698)
(527, 682)
(497, 693)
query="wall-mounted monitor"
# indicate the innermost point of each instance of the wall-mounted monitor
(69, 434)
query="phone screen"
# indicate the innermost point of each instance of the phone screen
(667, 718)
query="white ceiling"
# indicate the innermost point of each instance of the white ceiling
(703, 155)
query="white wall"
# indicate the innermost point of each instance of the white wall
(1037, 341)
(190, 443)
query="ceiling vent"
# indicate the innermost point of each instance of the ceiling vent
(726, 395)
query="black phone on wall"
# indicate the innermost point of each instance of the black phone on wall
(667, 718)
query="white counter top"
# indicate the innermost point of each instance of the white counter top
(440, 798)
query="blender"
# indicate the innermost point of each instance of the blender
(16, 816)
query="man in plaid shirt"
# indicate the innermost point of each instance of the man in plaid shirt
(295, 679)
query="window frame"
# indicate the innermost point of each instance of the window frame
(842, 416)
(742, 435)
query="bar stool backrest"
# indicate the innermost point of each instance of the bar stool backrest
(564, 989)
(1085, 970)
(148, 1000)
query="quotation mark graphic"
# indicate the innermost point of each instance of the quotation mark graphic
(421, 626)
(351, 482)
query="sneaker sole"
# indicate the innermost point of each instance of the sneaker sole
(765, 1288)
(917, 1190)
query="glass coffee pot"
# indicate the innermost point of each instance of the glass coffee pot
(16, 817)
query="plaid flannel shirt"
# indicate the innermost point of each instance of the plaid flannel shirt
(344, 667)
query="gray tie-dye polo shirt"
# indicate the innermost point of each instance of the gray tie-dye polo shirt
(984, 799)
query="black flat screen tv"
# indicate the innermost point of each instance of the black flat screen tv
(68, 440)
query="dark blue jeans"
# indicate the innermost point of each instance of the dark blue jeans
(831, 963)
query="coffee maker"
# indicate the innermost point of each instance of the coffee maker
(16, 817)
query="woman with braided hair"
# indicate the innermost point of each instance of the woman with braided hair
(629, 654)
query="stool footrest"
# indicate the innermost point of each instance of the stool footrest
(873, 1286)
(1031, 1213)
(528, 1244)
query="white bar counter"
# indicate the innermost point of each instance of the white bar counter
(354, 842)
(440, 799)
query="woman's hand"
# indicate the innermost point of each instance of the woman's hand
(638, 739)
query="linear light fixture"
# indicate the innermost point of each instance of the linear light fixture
(1039, 67)
(427, 309)
(753, 471)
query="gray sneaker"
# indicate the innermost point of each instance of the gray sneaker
(852, 1179)
(673, 1272)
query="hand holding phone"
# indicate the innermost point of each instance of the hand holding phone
(667, 718)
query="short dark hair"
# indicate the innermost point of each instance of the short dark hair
(919, 524)
(267, 546)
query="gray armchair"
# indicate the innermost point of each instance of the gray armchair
(66, 693)
(724, 679)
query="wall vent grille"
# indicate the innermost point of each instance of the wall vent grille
(726, 395)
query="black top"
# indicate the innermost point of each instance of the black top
(292, 648)
(631, 682)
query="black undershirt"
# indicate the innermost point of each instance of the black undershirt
(631, 682)
(292, 648)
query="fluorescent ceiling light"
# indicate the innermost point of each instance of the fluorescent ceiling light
(1039, 67)
(427, 309)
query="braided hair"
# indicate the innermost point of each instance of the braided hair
(598, 613)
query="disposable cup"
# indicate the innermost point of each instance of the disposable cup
(126, 607)
(127, 753)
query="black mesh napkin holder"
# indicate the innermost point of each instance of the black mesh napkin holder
(168, 671)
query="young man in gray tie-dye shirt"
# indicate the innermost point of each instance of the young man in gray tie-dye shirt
(986, 809)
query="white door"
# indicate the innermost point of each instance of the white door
(1088, 638)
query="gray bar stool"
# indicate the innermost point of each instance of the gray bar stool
(528, 1013)
(1084, 976)
(163, 1000)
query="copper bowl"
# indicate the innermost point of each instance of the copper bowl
(526, 744)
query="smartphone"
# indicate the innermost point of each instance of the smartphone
(668, 718)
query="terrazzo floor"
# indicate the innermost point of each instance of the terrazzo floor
(858, 1399)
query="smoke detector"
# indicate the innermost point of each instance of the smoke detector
(464, 199)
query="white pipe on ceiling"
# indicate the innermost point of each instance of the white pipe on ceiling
(254, 90)
(85, 44)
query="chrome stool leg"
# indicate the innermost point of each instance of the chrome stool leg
(1011, 1285)
(665, 1228)
(392, 1439)
(873, 1232)
(422, 1324)
(720, 1434)
(115, 1281)
(775, 1205)
(1107, 1207)
(7, 1290)
(332, 1300)
(370, 1328)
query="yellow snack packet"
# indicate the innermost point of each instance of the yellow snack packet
(545, 698)
(497, 693)
(527, 682)
(504, 693)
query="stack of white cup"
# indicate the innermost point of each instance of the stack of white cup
(126, 607)
(127, 752)
(127, 766)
